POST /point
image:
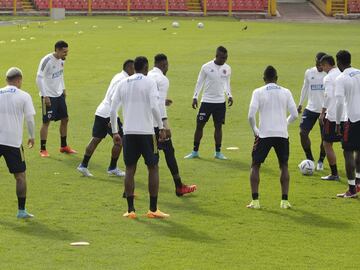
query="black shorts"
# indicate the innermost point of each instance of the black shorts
(165, 145)
(57, 110)
(136, 145)
(101, 127)
(262, 148)
(351, 136)
(14, 158)
(329, 131)
(308, 120)
(217, 110)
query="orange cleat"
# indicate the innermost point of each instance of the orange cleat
(44, 153)
(157, 214)
(67, 150)
(184, 189)
(131, 215)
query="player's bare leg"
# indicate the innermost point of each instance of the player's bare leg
(21, 195)
(197, 138)
(218, 140)
(63, 136)
(350, 165)
(306, 143)
(254, 183)
(331, 157)
(43, 137)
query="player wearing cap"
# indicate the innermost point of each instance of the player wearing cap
(313, 90)
(50, 81)
(15, 105)
(102, 126)
(272, 102)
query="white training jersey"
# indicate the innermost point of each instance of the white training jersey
(273, 102)
(103, 110)
(347, 86)
(139, 98)
(215, 81)
(313, 90)
(330, 100)
(15, 104)
(51, 75)
(162, 83)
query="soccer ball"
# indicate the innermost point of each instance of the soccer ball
(200, 25)
(175, 24)
(307, 167)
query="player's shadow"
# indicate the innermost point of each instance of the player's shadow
(38, 229)
(309, 218)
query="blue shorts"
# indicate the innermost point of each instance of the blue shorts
(57, 110)
(308, 120)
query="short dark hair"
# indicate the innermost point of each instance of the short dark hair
(221, 49)
(159, 58)
(319, 55)
(14, 77)
(343, 57)
(127, 63)
(140, 62)
(328, 59)
(61, 44)
(270, 73)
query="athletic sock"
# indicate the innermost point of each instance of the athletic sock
(85, 161)
(177, 181)
(153, 203)
(352, 187)
(21, 203)
(196, 146)
(284, 197)
(217, 147)
(334, 170)
(130, 201)
(255, 196)
(113, 163)
(43, 144)
(63, 141)
(309, 154)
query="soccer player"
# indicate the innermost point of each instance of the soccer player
(158, 74)
(328, 114)
(138, 97)
(15, 105)
(273, 102)
(50, 81)
(102, 125)
(214, 78)
(313, 90)
(347, 91)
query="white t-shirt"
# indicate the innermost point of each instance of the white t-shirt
(139, 98)
(313, 90)
(103, 110)
(162, 83)
(51, 75)
(330, 100)
(348, 85)
(14, 105)
(273, 102)
(215, 80)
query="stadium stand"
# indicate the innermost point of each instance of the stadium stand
(237, 5)
(9, 5)
(354, 6)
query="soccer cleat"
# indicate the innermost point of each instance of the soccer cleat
(131, 215)
(219, 155)
(184, 189)
(156, 214)
(67, 150)
(254, 204)
(23, 214)
(44, 153)
(347, 194)
(85, 171)
(193, 154)
(320, 166)
(116, 172)
(284, 204)
(331, 177)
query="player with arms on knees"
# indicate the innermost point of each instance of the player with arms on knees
(272, 102)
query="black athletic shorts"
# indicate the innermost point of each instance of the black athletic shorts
(262, 148)
(136, 145)
(217, 110)
(14, 158)
(329, 131)
(165, 145)
(101, 127)
(308, 120)
(351, 136)
(57, 110)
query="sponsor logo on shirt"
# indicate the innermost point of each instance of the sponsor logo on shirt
(354, 73)
(9, 90)
(57, 74)
(272, 87)
(316, 87)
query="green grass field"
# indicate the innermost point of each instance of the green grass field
(210, 229)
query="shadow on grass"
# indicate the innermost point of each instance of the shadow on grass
(38, 229)
(309, 218)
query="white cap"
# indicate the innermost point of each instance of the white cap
(13, 71)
